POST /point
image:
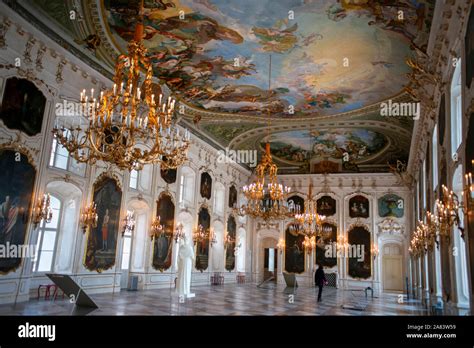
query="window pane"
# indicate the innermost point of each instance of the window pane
(53, 152)
(61, 157)
(46, 259)
(126, 253)
(77, 167)
(133, 179)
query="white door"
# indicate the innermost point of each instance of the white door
(392, 268)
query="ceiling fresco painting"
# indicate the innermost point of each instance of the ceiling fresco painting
(333, 63)
(327, 56)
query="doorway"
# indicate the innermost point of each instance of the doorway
(270, 264)
(392, 268)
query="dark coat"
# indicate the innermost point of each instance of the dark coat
(319, 277)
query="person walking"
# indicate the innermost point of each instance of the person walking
(320, 280)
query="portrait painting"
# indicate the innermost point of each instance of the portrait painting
(359, 207)
(230, 247)
(360, 258)
(324, 243)
(294, 251)
(22, 106)
(202, 247)
(17, 179)
(102, 240)
(295, 204)
(326, 206)
(232, 197)
(391, 205)
(206, 185)
(163, 244)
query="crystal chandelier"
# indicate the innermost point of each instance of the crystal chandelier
(309, 222)
(43, 210)
(89, 217)
(124, 119)
(200, 235)
(266, 198)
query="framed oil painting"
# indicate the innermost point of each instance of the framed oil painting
(326, 206)
(294, 251)
(202, 248)
(359, 207)
(469, 44)
(102, 241)
(360, 258)
(163, 244)
(23, 106)
(17, 180)
(230, 248)
(206, 185)
(326, 243)
(391, 205)
(295, 203)
(232, 197)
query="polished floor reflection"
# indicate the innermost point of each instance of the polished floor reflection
(233, 299)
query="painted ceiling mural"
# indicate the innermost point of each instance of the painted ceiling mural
(333, 63)
(327, 56)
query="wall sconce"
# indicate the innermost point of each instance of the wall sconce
(448, 213)
(156, 228)
(374, 251)
(129, 223)
(42, 210)
(281, 245)
(89, 217)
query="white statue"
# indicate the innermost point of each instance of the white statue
(185, 267)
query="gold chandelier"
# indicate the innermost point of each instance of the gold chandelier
(266, 199)
(125, 119)
(309, 222)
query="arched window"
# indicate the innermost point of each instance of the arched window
(456, 109)
(47, 236)
(186, 187)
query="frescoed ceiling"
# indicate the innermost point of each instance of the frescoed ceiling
(332, 63)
